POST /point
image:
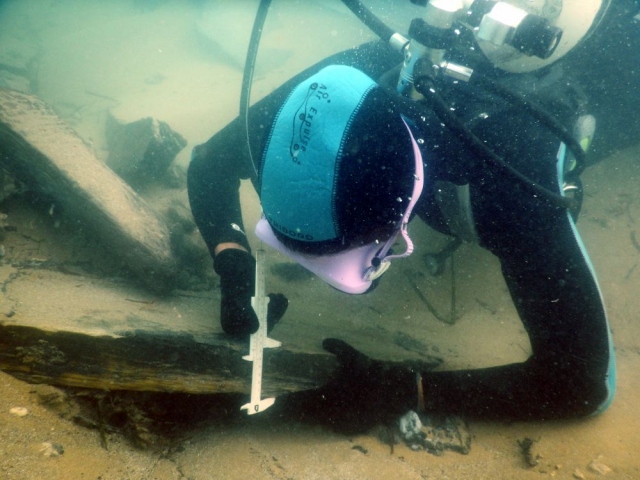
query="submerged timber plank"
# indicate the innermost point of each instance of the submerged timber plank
(44, 152)
(77, 331)
(156, 361)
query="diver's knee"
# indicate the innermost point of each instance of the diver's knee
(592, 393)
(576, 389)
(605, 389)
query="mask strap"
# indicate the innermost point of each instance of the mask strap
(380, 262)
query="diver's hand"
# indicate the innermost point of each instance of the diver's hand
(373, 383)
(365, 392)
(362, 394)
(237, 270)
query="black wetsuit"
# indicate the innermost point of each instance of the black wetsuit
(571, 372)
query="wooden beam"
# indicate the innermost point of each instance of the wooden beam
(158, 361)
(45, 153)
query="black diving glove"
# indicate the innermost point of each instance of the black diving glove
(364, 393)
(237, 270)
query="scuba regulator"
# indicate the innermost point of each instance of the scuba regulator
(448, 40)
(443, 28)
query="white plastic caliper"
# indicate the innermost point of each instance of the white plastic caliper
(259, 341)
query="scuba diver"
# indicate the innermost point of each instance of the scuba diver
(469, 125)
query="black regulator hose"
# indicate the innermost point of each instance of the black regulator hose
(536, 111)
(376, 25)
(247, 77)
(425, 85)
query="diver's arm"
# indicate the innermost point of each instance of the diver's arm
(214, 181)
(553, 287)
(213, 186)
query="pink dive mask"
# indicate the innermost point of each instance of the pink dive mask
(354, 270)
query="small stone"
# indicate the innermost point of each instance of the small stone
(19, 411)
(596, 466)
(50, 449)
(529, 449)
(577, 473)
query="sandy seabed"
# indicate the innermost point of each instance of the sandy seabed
(140, 59)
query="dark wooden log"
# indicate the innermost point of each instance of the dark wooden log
(156, 361)
(44, 152)
(81, 331)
